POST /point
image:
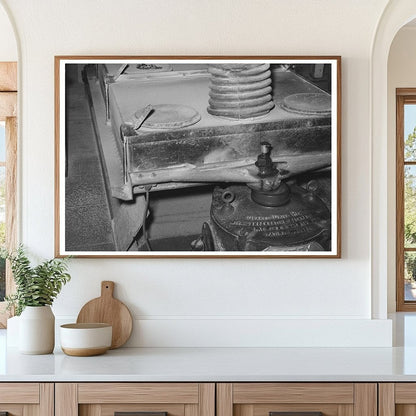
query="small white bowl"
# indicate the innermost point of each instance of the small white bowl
(83, 340)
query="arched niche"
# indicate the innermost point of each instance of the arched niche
(401, 73)
(396, 15)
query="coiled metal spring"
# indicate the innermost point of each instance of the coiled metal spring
(240, 91)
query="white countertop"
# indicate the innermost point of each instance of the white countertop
(215, 364)
(222, 364)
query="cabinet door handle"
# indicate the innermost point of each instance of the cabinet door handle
(295, 413)
(139, 414)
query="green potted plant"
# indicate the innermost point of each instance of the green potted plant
(36, 289)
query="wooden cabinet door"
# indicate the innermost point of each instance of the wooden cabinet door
(297, 399)
(397, 399)
(26, 399)
(143, 399)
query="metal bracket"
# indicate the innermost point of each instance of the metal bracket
(124, 192)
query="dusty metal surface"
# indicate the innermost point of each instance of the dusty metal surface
(211, 142)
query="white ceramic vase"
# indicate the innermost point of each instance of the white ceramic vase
(37, 330)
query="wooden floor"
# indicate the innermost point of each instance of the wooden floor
(87, 219)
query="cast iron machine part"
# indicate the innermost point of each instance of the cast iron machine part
(270, 214)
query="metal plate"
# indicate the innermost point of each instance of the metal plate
(308, 103)
(170, 116)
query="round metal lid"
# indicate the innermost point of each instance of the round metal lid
(169, 116)
(308, 103)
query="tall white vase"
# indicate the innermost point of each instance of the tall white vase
(37, 330)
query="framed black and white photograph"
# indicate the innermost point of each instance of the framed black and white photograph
(198, 156)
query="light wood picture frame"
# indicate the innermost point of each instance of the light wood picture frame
(197, 156)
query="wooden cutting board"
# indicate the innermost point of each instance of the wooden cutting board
(107, 309)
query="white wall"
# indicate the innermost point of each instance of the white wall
(8, 47)
(291, 302)
(401, 74)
